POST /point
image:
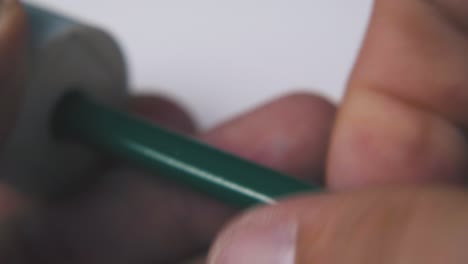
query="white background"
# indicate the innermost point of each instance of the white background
(222, 57)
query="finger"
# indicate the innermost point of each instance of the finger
(290, 135)
(163, 111)
(135, 219)
(12, 42)
(380, 226)
(404, 113)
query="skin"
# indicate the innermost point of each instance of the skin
(395, 154)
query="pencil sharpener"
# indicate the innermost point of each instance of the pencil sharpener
(62, 55)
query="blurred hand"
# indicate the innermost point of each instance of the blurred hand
(126, 217)
(401, 123)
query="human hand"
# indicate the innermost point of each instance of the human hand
(402, 122)
(128, 218)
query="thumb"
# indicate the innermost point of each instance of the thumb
(407, 226)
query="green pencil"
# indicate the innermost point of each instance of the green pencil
(221, 175)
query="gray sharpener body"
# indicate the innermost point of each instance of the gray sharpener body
(64, 55)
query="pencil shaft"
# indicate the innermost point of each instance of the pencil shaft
(221, 175)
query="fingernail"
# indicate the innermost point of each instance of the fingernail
(259, 238)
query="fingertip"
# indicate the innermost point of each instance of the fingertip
(261, 236)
